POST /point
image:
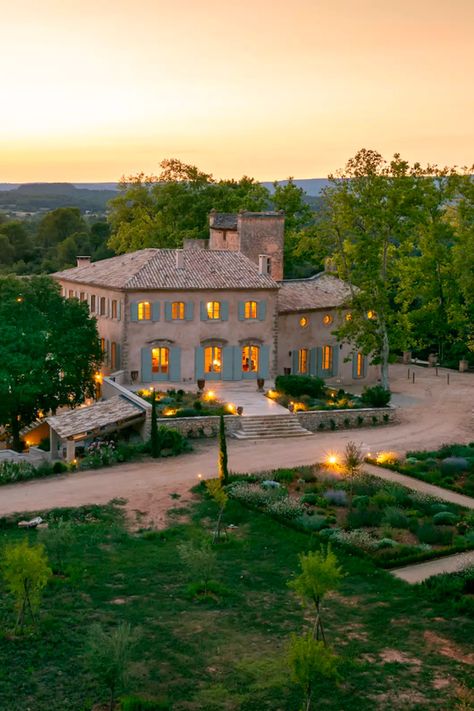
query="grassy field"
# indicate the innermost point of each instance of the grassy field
(400, 649)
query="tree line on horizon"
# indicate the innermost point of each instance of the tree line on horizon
(402, 234)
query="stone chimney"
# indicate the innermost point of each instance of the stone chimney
(264, 264)
(83, 261)
(180, 259)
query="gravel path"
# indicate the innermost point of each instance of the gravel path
(421, 571)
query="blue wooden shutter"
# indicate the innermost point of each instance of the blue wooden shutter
(354, 365)
(241, 310)
(198, 363)
(228, 363)
(118, 356)
(134, 311)
(224, 310)
(155, 311)
(364, 366)
(264, 364)
(237, 358)
(294, 362)
(312, 362)
(319, 362)
(107, 352)
(261, 310)
(335, 361)
(175, 363)
(168, 311)
(204, 316)
(189, 310)
(146, 365)
(119, 310)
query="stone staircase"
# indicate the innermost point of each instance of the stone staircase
(270, 427)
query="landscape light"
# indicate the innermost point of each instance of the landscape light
(332, 459)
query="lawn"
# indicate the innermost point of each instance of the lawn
(450, 466)
(382, 520)
(400, 649)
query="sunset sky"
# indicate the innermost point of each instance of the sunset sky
(94, 89)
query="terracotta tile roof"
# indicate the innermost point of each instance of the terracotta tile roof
(156, 269)
(91, 419)
(322, 291)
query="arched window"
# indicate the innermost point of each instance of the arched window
(144, 311)
(213, 359)
(327, 319)
(160, 360)
(177, 310)
(102, 306)
(250, 359)
(327, 358)
(303, 361)
(250, 310)
(213, 309)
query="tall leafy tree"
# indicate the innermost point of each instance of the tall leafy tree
(49, 351)
(292, 200)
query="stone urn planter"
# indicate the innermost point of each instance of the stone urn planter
(463, 365)
(201, 383)
(240, 410)
(260, 384)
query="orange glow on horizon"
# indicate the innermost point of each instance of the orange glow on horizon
(260, 87)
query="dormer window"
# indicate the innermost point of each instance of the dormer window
(144, 311)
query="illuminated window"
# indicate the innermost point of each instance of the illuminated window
(250, 310)
(304, 321)
(102, 306)
(303, 360)
(250, 359)
(327, 358)
(102, 345)
(213, 309)
(371, 315)
(360, 367)
(144, 311)
(348, 317)
(212, 359)
(113, 355)
(159, 360)
(177, 310)
(114, 308)
(92, 303)
(327, 319)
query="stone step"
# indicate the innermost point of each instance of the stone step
(270, 427)
(240, 434)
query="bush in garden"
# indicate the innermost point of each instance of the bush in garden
(394, 517)
(58, 540)
(386, 543)
(337, 497)
(297, 385)
(445, 518)
(26, 572)
(454, 465)
(435, 535)
(364, 518)
(376, 396)
(311, 523)
(284, 475)
(285, 508)
(361, 502)
(310, 499)
(310, 662)
(199, 562)
(136, 703)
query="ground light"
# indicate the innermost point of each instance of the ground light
(332, 459)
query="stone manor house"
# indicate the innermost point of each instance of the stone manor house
(218, 309)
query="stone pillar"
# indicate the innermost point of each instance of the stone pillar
(463, 366)
(54, 441)
(70, 450)
(406, 357)
(432, 359)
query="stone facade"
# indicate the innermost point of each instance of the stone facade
(312, 420)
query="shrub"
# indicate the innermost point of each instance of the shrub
(346, 422)
(285, 508)
(383, 498)
(454, 465)
(311, 523)
(395, 517)
(332, 424)
(386, 418)
(59, 467)
(337, 497)
(45, 444)
(135, 703)
(376, 396)
(360, 420)
(297, 385)
(386, 543)
(444, 518)
(434, 535)
(310, 499)
(321, 426)
(361, 502)
(16, 471)
(364, 518)
(285, 475)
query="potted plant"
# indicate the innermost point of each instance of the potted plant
(201, 383)
(260, 384)
(240, 410)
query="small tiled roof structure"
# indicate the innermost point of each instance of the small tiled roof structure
(224, 221)
(158, 269)
(101, 415)
(322, 291)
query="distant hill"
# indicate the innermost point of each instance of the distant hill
(31, 197)
(311, 186)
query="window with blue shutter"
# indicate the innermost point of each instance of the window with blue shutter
(224, 310)
(262, 310)
(204, 316)
(313, 362)
(198, 363)
(294, 362)
(118, 355)
(168, 311)
(319, 362)
(189, 311)
(175, 364)
(228, 363)
(335, 361)
(264, 365)
(146, 365)
(155, 311)
(134, 311)
(237, 362)
(241, 310)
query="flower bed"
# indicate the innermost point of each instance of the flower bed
(179, 403)
(451, 466)
(307, 393)
(387, 522)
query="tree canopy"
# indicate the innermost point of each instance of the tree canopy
(49, 351)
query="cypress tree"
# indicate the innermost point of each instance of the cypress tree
(155, 438)
(222, 462)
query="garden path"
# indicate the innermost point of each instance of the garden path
(421, 571)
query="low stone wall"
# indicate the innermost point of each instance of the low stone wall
(207, 426)
(315, 420)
